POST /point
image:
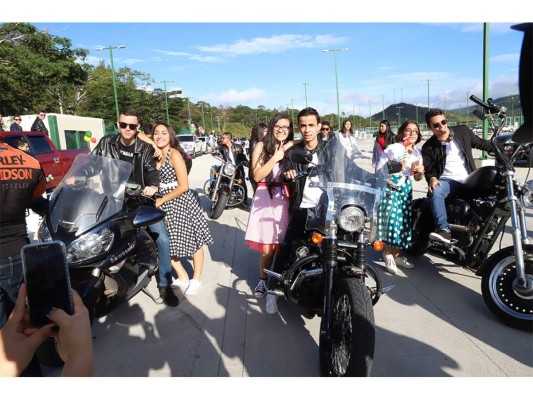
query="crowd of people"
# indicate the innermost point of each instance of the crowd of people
(277, 215)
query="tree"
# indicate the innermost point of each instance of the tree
(38, 70)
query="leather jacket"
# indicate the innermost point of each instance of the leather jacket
(434, 154)
(38, 126)
(238, 153)
(296, 188)
(144, 170)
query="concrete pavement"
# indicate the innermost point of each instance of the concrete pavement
(432, 324)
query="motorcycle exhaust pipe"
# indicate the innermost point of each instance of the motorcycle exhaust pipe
(305, 274)
(273, 274)
(462, 228)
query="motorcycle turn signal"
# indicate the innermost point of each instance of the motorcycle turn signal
(378, 245)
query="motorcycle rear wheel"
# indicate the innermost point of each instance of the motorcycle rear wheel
(499, 272)
(419, 244)
(220, 204)
(350, 351)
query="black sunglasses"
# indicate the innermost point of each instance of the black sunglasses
(123, 125)
(444, 122)
(18, 119)
(325, 129)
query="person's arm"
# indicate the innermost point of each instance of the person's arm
(74, 338)
(17, 344)
(151, 174)
(144, 137)
(178, 163)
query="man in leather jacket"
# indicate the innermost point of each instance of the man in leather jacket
(38, 125)
(127, 147)
(302, 197)
(233, 153)
(448, 160)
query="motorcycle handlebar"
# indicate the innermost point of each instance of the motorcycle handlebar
(489, 106)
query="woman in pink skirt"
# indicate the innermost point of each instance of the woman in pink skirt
(269, 215)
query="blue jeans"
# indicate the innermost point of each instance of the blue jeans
(163, 250)
(438, 206)
(11, 277)
(213, 176)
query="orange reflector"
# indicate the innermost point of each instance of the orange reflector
(213, 173)
(317, 238)
(378, 245)
(239, 181)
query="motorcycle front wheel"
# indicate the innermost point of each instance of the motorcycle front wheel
(218, 205)
(350, 349)
(499, 272)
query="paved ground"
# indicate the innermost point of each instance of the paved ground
(432, 324)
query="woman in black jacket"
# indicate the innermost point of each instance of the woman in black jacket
(384, 137)
(258, 132)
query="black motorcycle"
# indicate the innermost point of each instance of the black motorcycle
(229, 189)
(477, 216)
(102, 219)
(328, 273)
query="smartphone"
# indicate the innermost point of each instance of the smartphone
(47, 280)
(414, 164)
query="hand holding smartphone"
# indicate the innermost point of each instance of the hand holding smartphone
(414, 164)
(47, 280)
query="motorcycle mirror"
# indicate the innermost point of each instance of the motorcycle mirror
(300, 155)
(145, 216)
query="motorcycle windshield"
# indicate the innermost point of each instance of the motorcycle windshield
(347, 182)
(91, 191)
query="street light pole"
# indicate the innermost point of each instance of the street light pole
(189, 109)
(466, 114)
(370, 112)
(427, 80)
(292, 110)
(336, 80)
(166, 98)
(305, 88)
(110, 48)
(399, 108)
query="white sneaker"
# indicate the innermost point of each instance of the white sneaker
(271, 304)
(404, 263)
(194, 286)
(178, 283)
(390, 264)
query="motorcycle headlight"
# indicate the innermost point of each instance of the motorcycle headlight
(229, 169)
(90, 246)
(351, 219)
(527, 197)
(43, 233)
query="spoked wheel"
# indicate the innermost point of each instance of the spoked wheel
(513, 306)
(350, 349)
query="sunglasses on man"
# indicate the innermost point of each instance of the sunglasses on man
(123, 125)
(436, 125)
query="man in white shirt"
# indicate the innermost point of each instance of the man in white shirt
(448, 161)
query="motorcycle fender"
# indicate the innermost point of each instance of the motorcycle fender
(225, 189)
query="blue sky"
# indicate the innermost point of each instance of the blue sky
(274, 64)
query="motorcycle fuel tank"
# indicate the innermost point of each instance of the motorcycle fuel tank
(481, 182)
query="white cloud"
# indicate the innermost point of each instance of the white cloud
(234, 97)
(274, 44)
(513, 58)
(191, 56)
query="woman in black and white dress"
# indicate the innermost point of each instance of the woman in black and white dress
(187, 226)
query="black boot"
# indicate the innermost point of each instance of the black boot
(169, 298)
